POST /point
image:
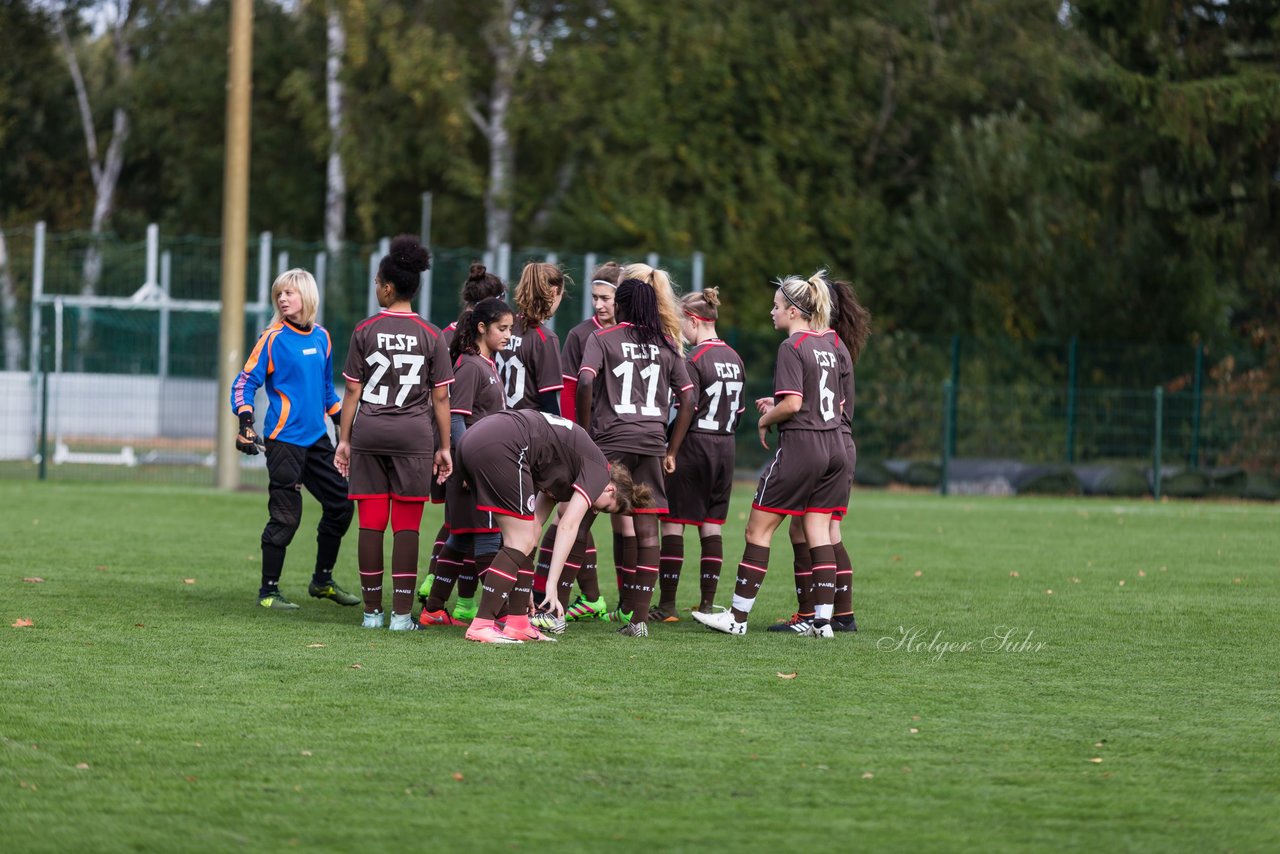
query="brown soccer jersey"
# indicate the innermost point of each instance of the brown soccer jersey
(530, 365)
(640, 381)
(398, 358)
(476, 390)
(809, 366)
(575, 341)
(846, 384)
(717, 373)
(513, 454)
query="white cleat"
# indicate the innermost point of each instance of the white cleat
(372, 620)
(721, 621)
(823, 632)
(403, 623)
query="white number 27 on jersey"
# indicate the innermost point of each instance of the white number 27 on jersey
(376, 392)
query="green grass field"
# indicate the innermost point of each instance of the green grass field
(152, 706)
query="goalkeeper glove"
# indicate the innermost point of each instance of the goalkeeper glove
(247, 440)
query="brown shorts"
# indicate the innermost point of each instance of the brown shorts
(647, 470)
(497, 485)
(698, 491)
(851, 454)
(460, 513)
(808, 474)
(385, 476)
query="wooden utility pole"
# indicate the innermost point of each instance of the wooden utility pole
(235, 233)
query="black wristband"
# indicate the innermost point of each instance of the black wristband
(246, 418)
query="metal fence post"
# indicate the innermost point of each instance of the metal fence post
(1197, 392)
(698, 261)
(44, 415)
(1157, 451)
(955, 383)
(589, 267)
(166, 288)
(948, 432)
(1072, 361)
(37, 292)
(424, 305)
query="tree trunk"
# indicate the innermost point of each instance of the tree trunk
(335, 194)
(9, 306)
(502, 156)
(105, 174)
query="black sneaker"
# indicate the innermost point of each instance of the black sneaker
(844, 624)
(797, 625)
(330, 590)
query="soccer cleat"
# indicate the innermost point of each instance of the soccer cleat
(844, 624)
(704, 608)
(722, 621)
(276, 602)
(822, 632)
(664, 614)
(582, 609)
(372, 620)
(799, 625)
(424, 589)
(403, 623)
(525, 632)
(437, 618)
(548, 621)
(331, 590)
(617, 615)
(634, 630)
(464, 610)
(487, 631)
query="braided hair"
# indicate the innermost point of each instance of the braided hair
(638, 305)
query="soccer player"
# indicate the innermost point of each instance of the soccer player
(398, 376)
(519, 464)
(698, 490)
(808, 475)
(480, 285)
(582, 563)
(642, 369)
(482, 331)
(530, 365)
(293, 359)
(850, 324)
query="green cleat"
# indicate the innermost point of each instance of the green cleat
(617, 615)
(581, 609)
(424, 589)
(276, 602)
(465, 609)
(331, 590)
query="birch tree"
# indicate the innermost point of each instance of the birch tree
(104, 165)
(335, 195)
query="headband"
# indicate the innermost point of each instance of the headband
(603, 282)
(700, 317)
(794, 304)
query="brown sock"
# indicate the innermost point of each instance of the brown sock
(519, 602)
(441, 536)
(499, 580)
(588, 577)
(669, 565)
(404, 570)
(751, 572)
(646, 578)
(369, 557)
(712, 558)
(572, 567)
(543, 565)
(824, 583)
(448, 565)
(804, 578)
(468, 579)
(619, 560)
(844, 582)
(630, 555)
